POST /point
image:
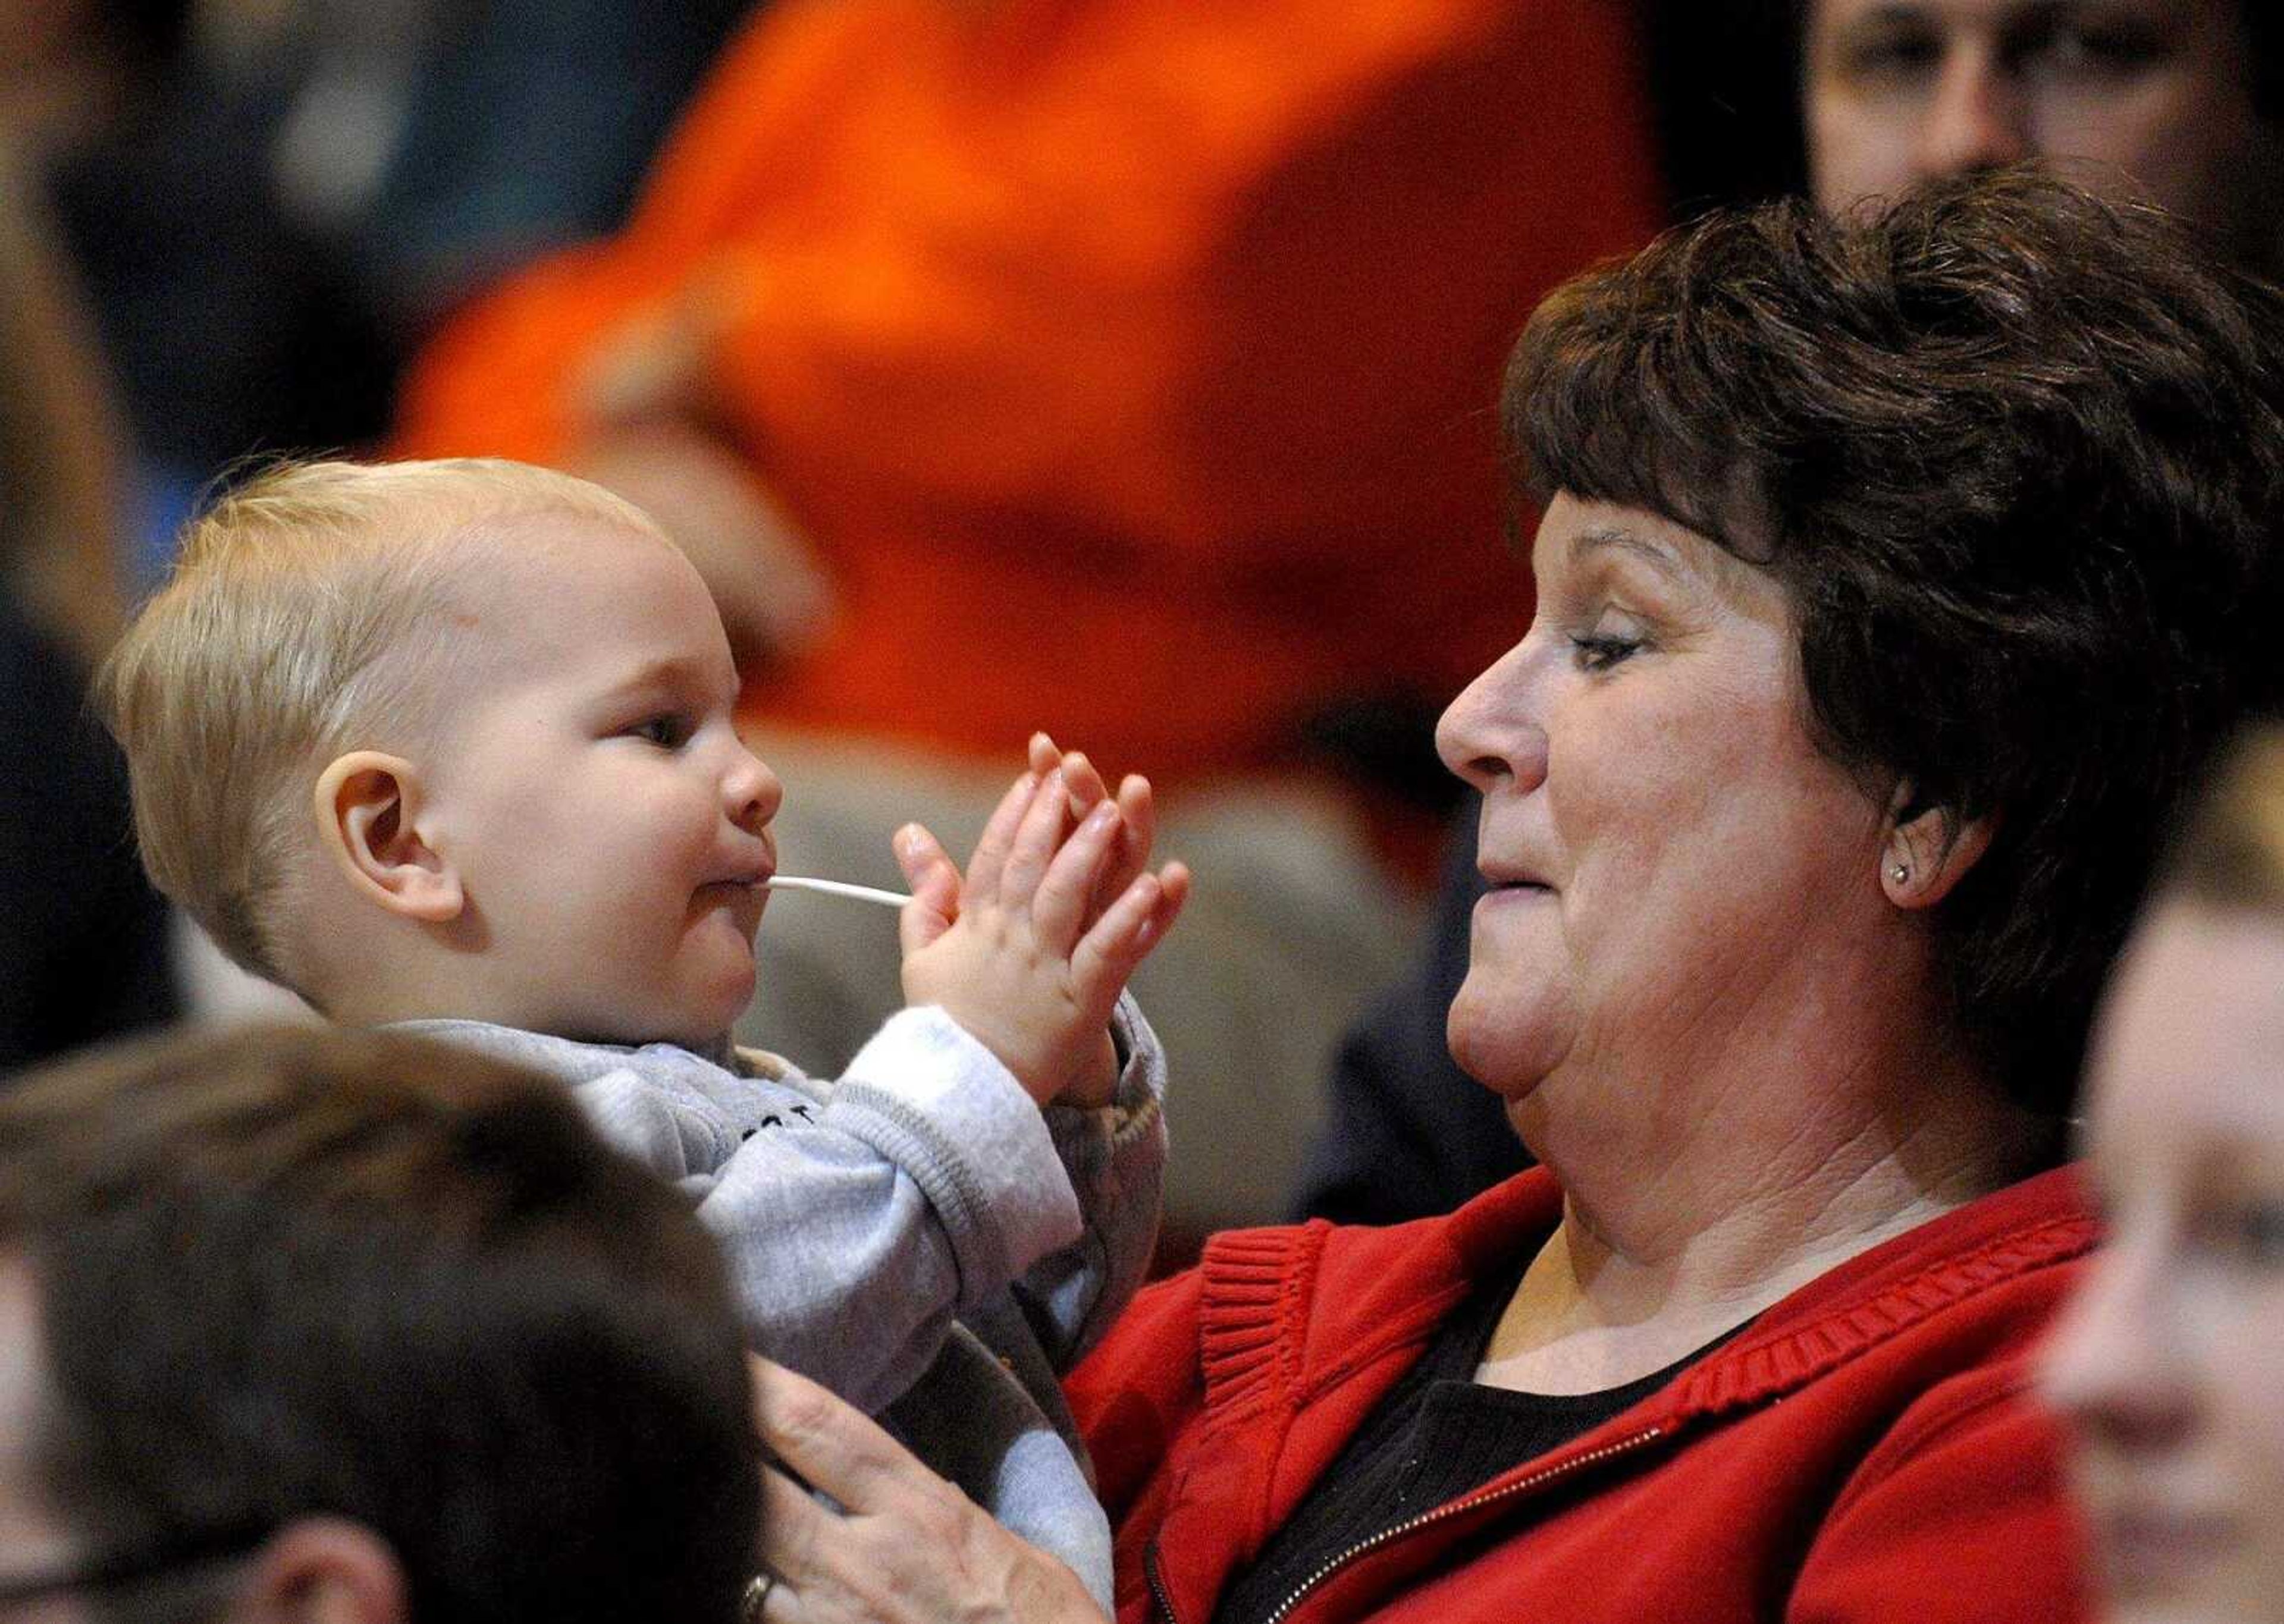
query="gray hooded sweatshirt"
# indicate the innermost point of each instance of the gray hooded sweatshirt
(919, 1237)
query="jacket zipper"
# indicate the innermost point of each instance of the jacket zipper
(1158, 1582)
(1537, 1480)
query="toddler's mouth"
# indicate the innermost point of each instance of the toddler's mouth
(743, 899)
(837, 888)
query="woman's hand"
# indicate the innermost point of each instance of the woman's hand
(907, 1549)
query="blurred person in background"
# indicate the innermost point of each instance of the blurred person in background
(519, 127)
(304, 1324)
(83, 939)
(2169, 1367)
(1120, 335)
(228, 324)
(2179, 102)
(270, 202)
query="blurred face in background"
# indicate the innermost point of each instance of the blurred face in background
(2168, 1366)
(2150, 99)
(33, 1542)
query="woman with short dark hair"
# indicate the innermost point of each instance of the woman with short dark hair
(1894, 581)
(2178, 103)
(2011, 458)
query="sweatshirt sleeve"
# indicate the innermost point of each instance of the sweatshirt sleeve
(925, 1183)
(1961, 1517)
(1115, 1159)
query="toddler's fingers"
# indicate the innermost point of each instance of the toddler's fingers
(1137, 831)
(1137, 802)
(1173, 892)
(919, 854)
(1036, 837)
(1083, 783)
(1108, 954)
(934, 881)
(1066, 892)
(990, 854)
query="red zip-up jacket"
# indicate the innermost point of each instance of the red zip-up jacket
(1865, 1451)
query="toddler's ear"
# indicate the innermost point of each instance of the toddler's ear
(366, 806)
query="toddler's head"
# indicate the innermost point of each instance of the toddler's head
(450, 739)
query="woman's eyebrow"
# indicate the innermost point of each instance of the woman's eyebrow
(1601, 538)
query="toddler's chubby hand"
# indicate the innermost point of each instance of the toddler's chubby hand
(1029, 951)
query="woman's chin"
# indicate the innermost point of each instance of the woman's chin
(1500, 1047)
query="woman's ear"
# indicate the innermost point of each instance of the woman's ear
(368, 807)
(324, 1570)
(1928, 849)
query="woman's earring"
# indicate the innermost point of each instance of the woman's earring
(1901, 872)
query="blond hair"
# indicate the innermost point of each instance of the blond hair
(2231, 851)
(294, 617)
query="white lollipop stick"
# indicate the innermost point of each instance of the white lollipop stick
(837, 888)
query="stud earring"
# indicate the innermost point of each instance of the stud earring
(1901, 872)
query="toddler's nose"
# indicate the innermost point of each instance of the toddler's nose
(750, 791)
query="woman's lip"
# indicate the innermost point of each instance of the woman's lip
(1507, 895)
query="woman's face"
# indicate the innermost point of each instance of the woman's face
(2147, 96)
(2169, 1367)
(1663, 841)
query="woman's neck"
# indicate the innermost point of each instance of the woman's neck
(1658, 1255)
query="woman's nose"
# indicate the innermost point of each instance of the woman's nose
(2114, 1368)
(1977, 119)
(750, 791)
(1489, 736)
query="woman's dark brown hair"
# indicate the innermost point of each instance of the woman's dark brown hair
(2018, 457)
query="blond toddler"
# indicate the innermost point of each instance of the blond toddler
(450, 747)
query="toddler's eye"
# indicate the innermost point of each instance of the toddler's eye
(668, 732)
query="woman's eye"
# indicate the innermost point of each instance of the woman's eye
(1599, 650)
